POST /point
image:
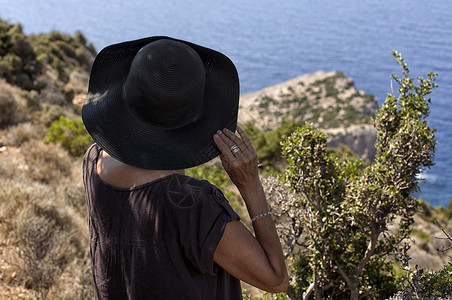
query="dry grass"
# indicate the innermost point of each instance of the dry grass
(44, 250)
(47, 162)
(41, 240)
(75, 282)
(12, 106)
(21, 133)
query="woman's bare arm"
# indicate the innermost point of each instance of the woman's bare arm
(257, 260)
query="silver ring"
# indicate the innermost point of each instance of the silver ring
(234, 149)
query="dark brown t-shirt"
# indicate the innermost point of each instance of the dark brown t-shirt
(157, 240)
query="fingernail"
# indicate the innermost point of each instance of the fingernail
(215, 136)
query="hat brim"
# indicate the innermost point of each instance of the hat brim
(135, 142)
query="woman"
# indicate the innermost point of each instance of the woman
(155, 107)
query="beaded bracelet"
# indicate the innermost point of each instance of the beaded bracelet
(268, 213)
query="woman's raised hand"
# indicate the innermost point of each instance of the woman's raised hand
(239, 158)
(257, 260)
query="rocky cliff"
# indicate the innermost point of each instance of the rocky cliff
(330, 101)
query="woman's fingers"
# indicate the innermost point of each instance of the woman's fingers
(245, 138)
(230, 140)
(223, 144)
(241, 165)
(234, 139)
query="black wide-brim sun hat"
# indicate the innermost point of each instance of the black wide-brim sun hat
(156, 102)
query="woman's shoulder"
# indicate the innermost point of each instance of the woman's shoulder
(183, 182)
(186, 191)
(92, 152)
(90, 157)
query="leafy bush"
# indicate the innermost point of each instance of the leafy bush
(23, 57)
(70, 134)
(63, 52)
(419, 284)
(269, 149)
(18, 63)
(345, 209)
(268, 144)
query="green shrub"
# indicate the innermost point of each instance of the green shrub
(422, 284)
(345, 209)
(447, 212)
(63, 52)
(18, 64)
(22, 57)
(70, 134)
(267, 144)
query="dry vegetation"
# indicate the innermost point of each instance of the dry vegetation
(44, 249)
(43, 230)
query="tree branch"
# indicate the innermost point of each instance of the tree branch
(308, 292)
(345, 276)
(369, 251)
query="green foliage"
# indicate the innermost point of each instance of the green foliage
(405, 141)
(71, 134)
(22, 57)
(446, 212)
(347, 206)
(269, 149)
(437, 283)
(422, 284)
(18, 63)
(343, 152)
(245, 295)
(268, 144)
(420, 234)
(302, 272)
(329, 84)
(62, 51)
(335, 239)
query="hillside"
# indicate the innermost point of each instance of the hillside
(43, 230)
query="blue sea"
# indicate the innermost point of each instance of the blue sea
(274, 41)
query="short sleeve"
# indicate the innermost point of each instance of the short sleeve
(201, 224)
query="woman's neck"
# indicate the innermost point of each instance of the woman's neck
(120, 174)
